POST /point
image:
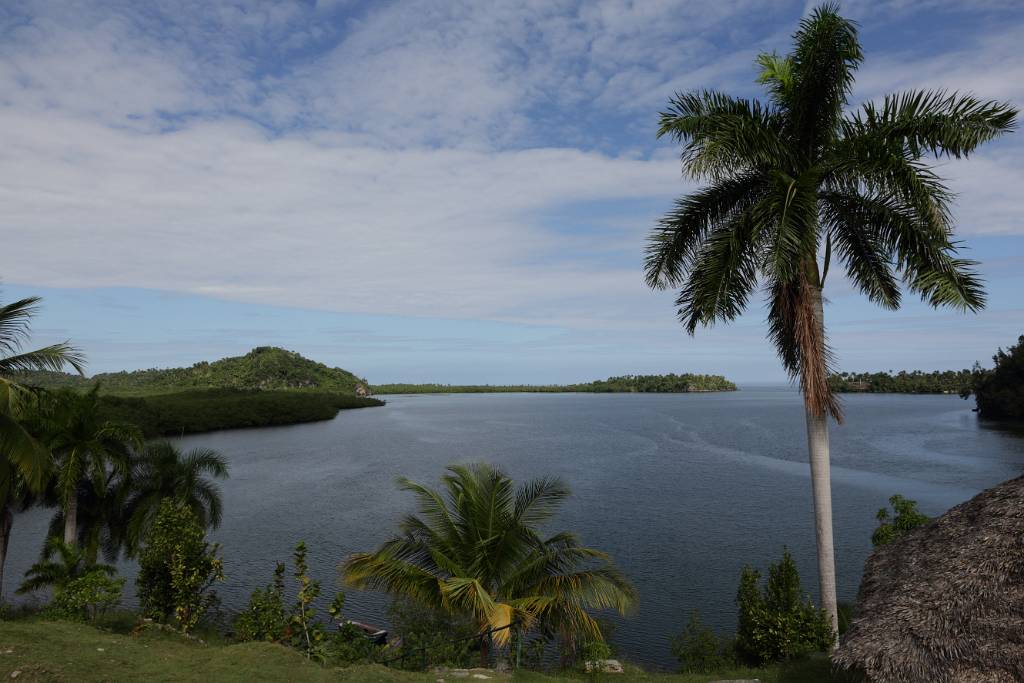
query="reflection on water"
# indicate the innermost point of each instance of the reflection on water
(681, 489)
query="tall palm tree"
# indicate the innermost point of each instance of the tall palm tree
(84, 446)
(24, 463)
(475, 550)
(162, 471)
(101, 512)
(796, 175)
(71, 563)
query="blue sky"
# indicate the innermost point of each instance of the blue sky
(428, 191)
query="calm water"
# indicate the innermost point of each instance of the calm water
(682, 490)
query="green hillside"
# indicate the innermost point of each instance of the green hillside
(650, 384)
(263, 368)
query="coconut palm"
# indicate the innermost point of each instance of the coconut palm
(102, 522)
(798, 175)
(70, 564)
(475, 551)
(162, 471)
(24, 463)
(84, 447)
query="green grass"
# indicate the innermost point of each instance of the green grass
(45, 650)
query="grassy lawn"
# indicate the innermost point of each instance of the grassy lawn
(62, 651)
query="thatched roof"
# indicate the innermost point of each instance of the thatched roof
(945, 603)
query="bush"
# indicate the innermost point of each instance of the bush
(780, 623)
(445, 638)
(177, 568)
(905, 517)
(87, 597)
(700, 650)
(265, 618)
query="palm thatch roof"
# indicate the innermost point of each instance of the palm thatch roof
(945, 603)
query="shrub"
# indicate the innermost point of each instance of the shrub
(700, 650)
(177, 568)
(265, 618)
(780, 622)
(905, 517)
(87, 596)
(445, 638)
(307, 633)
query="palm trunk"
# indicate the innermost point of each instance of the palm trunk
(821, 486)
(6, 522)
(71, 520)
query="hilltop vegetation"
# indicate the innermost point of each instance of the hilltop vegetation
(659, 384)
(263, 368)
(903, 382)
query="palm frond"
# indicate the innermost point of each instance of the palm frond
(933, 122)
(675, 243)
(722, 135)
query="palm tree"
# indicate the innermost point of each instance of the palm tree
(71, 564)
(475, 551)
(162, 471)
(84, 446)
(102, 522)
(24, 463)
(796, 173)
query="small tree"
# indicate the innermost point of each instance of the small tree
(88, 596)
(177, 568)
(780, 622)
(307, 631)
(905, 517)
(700, 650)
(265, 618)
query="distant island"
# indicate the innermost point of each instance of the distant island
(650, 384)
(903, 382)
(267, 386)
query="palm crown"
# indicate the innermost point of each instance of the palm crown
(475, 550)
(798, 171)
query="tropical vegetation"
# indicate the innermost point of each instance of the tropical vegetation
(801, 177)
(902, 382)
(903, 518)
(263, 368)
(660, 384)
(25, 464)
(999, 392)
(475, 550)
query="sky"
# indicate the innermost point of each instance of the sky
(436, 191)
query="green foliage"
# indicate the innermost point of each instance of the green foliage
(263, 368)
(177, 568)
(88, 596)
(430, 637)
(905, 517)
(779, 623)
(670, 383)
(307, 633)
(476, 551)
(61, 564)
(203, 410)
(265, 617)
(902, 382)
(999, 392)
(700, 650)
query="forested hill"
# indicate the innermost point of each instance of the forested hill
(903, 382)
(265, 368)
(659, 384)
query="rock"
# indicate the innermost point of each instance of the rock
(99, 649)
(459, 673)
(15, 674)
(605, 666)
(737, 680)
(481, 676)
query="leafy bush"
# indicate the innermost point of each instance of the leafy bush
(307, 633)
(700, 650)
(446, 639)
(265, 618)
(780, 622)
(177, 568)
(905, 517)
(88, 596)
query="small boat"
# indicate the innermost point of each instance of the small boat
(377, 636)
